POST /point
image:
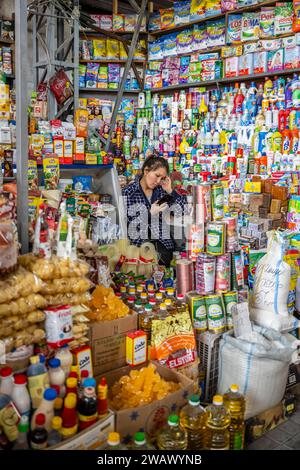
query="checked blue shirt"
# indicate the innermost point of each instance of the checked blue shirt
(141, 225)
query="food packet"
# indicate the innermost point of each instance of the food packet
(61, 87)
(59, 326)
(51, 171)
(81, 122)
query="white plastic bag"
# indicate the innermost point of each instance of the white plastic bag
(258, 365)
(268, 303)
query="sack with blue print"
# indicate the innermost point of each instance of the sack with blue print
(269, 299)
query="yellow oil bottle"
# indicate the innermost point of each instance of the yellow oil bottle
(235, 403)
(217, 423)
(192, 419)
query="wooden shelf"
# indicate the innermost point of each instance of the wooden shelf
(120, 33)
(106, 90)
(213, 17)
(112, 61)
(242, 78)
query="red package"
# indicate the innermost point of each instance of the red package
(61, 87)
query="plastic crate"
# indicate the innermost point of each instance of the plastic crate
(208, 350)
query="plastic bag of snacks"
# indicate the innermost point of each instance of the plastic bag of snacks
(105, 305)
(54, 268)
(8, 247)
(19, 284)
(173, 344)
(61, 86)
(23, 305)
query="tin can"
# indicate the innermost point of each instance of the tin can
(217, 201)
(215, 313)
(237, 272)
(223, 271)
(232, 241)
(205, 274)
(215, 239)
(230, 301)
(197, 308)
(202, 203)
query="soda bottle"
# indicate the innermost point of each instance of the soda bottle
(234, 401)
(217, 423)
(172, 437)
(114, 442)
(192, 419)
(140, 442)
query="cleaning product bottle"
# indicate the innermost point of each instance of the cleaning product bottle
(22, 441)
(20, 395)
(217, 423)
(276, 141)
(69, 416)
(7, 381)
(46, 407)
(172, 437)
(286, 141)
(295, 141)
(192, 419)
(38, 380)
(238, 102)
(114, 442)
(268, 86)
(54, 436)
(234, 401)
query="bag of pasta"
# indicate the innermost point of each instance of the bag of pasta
(173, 343)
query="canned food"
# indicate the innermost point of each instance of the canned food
(197, 308)
(205, 274)
(217, 201)
(215, 240)
(215, 313)
(230, 301)
(223, 269)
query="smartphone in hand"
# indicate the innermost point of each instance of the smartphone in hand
(166, 198)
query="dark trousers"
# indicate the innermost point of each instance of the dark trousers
(164, 255)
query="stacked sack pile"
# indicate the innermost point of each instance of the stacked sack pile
(64, 284)
(20, 315)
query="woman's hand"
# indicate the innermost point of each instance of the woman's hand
(167, 184)
(156, 208)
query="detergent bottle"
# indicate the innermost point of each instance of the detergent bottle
(268, 86)
(276, 141)
(286, 141)
(238, 102)
(288, 94)
(295, 141)
(296, 92)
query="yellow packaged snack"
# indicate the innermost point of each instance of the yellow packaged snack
(105, 305)
(81, 122)
(99, 46)
(141, 50)
(112, 47)
(51, 171)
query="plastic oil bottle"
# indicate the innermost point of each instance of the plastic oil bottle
(193, 419)
(217, 423)
(172, 437)
(234, 401)
(140, 442)
(114, 442)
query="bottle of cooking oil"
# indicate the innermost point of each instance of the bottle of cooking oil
(145, 320)
(217, 423)
(170, 293)
(180, 304)
(140, 442)
(172, 437)
(114, 442)
(193, 419)
(170, 306)
(162, 312)
(144, 298)
(138, 307)
(235, 404)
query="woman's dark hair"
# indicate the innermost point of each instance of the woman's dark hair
(152, 163)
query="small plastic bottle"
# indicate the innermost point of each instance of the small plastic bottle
(71, 384)
(140, 442)
(38, 380)
(57, 376)
(102, 404)
(46, 408)
(87, 408)
(192, 419)
(172, 437)
(66, 358)
(114, 442)
(69, 416)
(22, 440)
(20, 395)
(7, 381)
(54, 436)
(217, 423)
(39, 435)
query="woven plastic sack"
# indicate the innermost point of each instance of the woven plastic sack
(259, 366)
(268, 303)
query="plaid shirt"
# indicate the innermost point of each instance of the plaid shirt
(141, 225)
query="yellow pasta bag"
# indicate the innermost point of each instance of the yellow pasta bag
(113, 51)
(123, 53)
(99, 46)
